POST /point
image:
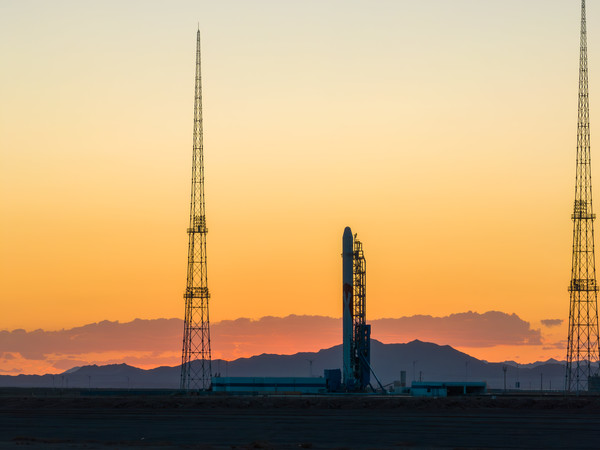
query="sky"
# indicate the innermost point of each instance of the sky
(442, 132)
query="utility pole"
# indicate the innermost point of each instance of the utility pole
(196, 370)
(310, 363)
(582, 341)
(504, 369)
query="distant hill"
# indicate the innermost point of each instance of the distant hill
(420, 360)
(533, 364)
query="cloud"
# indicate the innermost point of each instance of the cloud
(151, 343)
(305, 333)
(561, 345)
(66, 364)
(467, 329)
(139, 335)
(552, 322)
(291, 334)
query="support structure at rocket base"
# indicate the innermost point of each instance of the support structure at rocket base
(356, 333)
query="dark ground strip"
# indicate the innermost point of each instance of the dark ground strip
(299, 422)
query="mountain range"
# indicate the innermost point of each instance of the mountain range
(420, 360)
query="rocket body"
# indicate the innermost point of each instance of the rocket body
(347, 295)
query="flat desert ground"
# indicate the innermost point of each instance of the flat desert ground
(30, 420)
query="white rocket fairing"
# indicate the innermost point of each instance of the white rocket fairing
(347, 293)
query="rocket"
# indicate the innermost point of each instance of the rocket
(347, 294)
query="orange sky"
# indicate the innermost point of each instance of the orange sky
(442, 133)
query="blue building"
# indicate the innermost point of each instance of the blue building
(447, 388)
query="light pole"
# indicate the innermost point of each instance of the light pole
(310, 362)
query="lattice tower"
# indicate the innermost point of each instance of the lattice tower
(582, 343)
(196, 359)
(361, 331)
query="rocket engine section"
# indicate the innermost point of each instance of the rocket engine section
(356, 333)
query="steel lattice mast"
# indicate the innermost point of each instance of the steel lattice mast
(361, 345)
(196, 358)
(582, 345)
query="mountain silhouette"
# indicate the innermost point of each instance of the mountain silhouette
(420, 360)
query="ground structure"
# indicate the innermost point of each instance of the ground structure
(78, 419)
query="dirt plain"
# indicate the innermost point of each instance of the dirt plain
(75, 420)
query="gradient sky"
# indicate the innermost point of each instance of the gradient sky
(442, 132)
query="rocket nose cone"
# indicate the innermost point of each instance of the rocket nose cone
(347, 232)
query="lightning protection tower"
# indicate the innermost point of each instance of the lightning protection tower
(582, 343)
(195, 358)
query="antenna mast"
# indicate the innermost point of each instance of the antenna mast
(582, 344)
(195, 358)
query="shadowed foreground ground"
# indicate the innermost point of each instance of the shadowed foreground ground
(297, 422)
